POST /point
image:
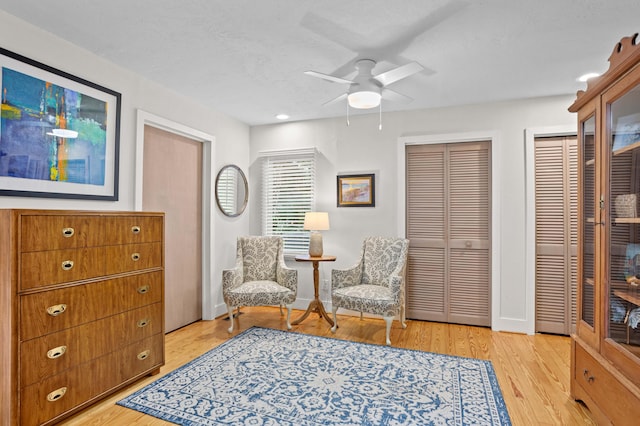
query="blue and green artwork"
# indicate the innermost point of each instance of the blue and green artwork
(51, 133)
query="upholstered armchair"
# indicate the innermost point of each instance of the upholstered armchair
(260, 277)
(375, 284)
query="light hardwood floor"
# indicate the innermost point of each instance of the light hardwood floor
(533, 371)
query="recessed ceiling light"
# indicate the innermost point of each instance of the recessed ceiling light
(282, 116)
(587, 76)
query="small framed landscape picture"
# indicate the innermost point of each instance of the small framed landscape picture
(356, 190)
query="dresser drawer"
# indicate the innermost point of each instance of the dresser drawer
(57, 232)
(133, 257)
(133, 229)
(53, 353)
(42, 268)
(617, 401)
(61, 393)
(55, 310)
(140, 356)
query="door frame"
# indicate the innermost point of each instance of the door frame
(144, 118)
(497, 321)
(530, 212)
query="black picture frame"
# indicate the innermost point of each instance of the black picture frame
(59, 133)
(356, 190)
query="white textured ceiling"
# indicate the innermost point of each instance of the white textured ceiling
(246, 58)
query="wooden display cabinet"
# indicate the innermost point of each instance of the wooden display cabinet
(606, 345)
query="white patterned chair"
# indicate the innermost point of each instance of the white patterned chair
(260, 276)
(375, 284)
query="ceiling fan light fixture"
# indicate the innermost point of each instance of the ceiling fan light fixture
(364, 99)
(63, 133)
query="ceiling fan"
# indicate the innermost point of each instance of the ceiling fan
(366, 90)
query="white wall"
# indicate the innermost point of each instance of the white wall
(361, 147)
(231, 136)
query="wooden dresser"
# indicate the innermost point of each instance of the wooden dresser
(81, 308)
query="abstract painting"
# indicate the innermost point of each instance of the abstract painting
(59, 134)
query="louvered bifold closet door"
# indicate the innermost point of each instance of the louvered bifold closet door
(426, 297)
(469, 233)
(448, 226)
(556, 234)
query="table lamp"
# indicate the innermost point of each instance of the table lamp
(314, 222)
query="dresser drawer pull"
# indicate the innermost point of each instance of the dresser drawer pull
(135, 257)
(56, 310)
(68, 232)
(135, 229)
(56, 394)
(56, 352)
(143, 322)
(144, 355)
(67, 265)
(143, 289)
(588, 376)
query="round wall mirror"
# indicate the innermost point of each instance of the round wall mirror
(232, 190)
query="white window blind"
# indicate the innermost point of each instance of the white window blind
(288, 191)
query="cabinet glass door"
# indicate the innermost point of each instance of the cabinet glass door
(623, 321)
(589, 220)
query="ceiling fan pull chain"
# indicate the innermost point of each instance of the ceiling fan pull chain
(380, 118)
(347, 113)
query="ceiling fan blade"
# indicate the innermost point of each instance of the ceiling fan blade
(336, 99)
(412, 31)
(340, 35)
(328, 77)
(392, 95)
(391, 76)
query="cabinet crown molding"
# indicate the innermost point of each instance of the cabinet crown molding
(625, 55)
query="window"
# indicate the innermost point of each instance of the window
(288, 191)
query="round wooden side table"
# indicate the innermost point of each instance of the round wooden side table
(316, 304)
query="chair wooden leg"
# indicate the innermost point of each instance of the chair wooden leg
(403, 317)
(388, 320)
(281, 313)
(230, 310)
(288, 316)
(334, 309)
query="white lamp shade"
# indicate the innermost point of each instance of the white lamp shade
(316, 221)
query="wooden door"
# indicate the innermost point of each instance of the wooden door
(172, 183)
(449, 228)
(556, 198)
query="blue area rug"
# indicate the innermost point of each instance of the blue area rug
(272, 377)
